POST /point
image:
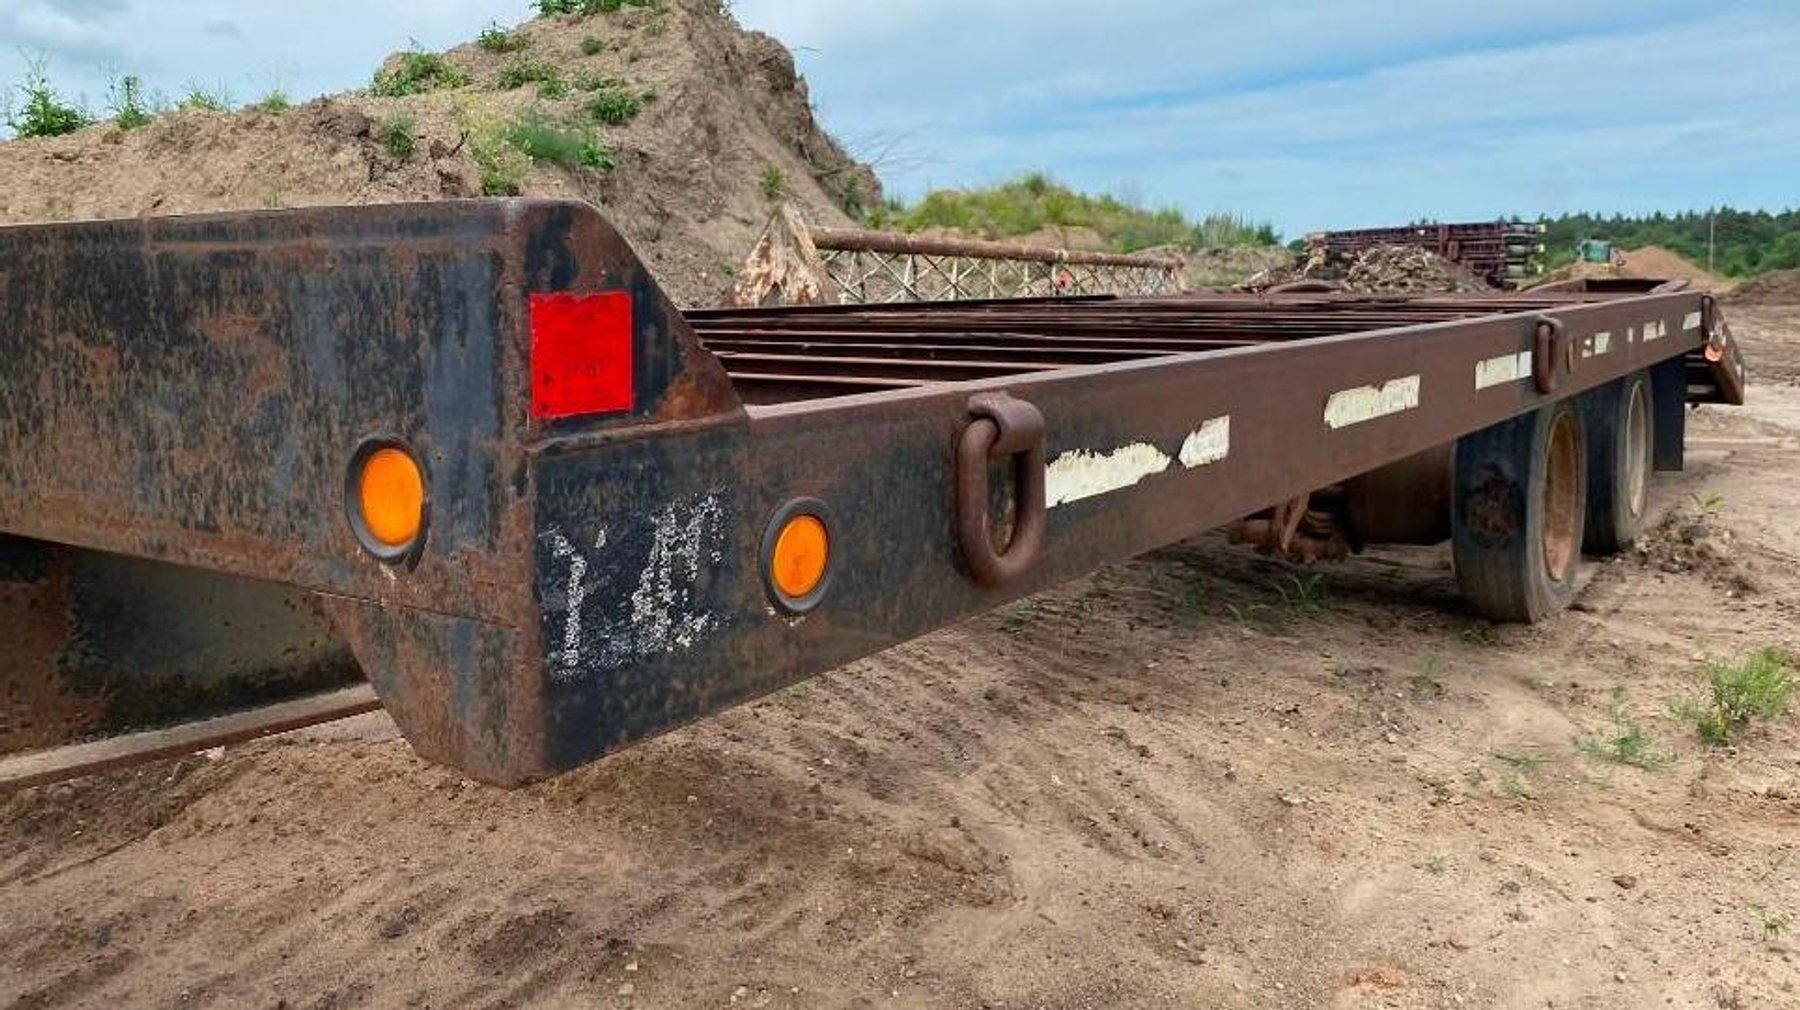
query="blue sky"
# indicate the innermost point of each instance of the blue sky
(1308, 114)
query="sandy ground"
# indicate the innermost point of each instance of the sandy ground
(1183, 782)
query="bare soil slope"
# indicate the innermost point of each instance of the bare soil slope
(688, 189)
(1777, 287)
(1203, 778)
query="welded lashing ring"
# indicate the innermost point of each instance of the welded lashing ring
(1002, 428)
(1550, 342)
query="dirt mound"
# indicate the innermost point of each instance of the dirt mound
(1778, 287)
(1649, 263)
(1383, 269)
(1661, 264)
(716, 124)
(1223, 267)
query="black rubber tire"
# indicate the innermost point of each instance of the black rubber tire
(1620, 419)
(1517, 514)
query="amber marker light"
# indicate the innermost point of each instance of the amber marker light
(387, 500)
(797, 555)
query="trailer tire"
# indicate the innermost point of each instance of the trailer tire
(1621, 441)
(1517, 513)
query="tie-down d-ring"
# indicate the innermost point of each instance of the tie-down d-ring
(1002, 427)
(1549, 345)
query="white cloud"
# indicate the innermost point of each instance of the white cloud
(1315, 114)
(1309, 114)
(311, 48)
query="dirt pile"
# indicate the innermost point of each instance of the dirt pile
(1223, 267)
(1383, 269)
(1661, 264)
(1649, 263)
(1777, 287)
(700, 126)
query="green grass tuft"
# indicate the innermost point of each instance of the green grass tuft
(496, 39)
(558, 140)
(774, 184)
(399, 134)
(592, 46)
(614, 104)
(128, 105)
(501, 166)
(417, 74)
(545, 75)
(1759, 686)
(1628, 744)
(199, 99)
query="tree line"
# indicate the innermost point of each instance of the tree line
(1742, 243)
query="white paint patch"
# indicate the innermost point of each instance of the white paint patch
(565, 662)
(1656, 330)
(1366, 403)
(1083, 473)
(1691, 321)
(1207, 444)
(602, 628)
(1596, 345)
(1503, 369)
(664, 614)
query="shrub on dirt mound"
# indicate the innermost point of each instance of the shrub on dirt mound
(1382, 269)
(1778, 287)
(683, 127)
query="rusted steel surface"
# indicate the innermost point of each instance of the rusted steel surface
(1139, 452)
(794, 264)
(1500, 252)
(194, 389)
(104, 643)
(41, 767)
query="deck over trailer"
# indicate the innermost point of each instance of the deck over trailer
(472, 452)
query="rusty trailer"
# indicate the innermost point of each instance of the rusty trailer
(471, 452)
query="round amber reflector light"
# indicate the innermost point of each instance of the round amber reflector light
(391, 497)
(802, 552)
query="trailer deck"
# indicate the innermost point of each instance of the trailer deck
(781, 355)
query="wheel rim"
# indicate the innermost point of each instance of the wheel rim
(1562, 497)
(1637, 450)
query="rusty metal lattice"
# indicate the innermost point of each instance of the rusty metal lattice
(793, 264)
(866, 277)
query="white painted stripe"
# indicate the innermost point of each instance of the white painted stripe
(1207, 444)
(1506, 368)
(1691, 321)
(1366, 403)
(1083, 473)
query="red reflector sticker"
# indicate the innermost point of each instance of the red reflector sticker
(580, 354)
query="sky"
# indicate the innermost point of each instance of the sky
(1308, 113)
